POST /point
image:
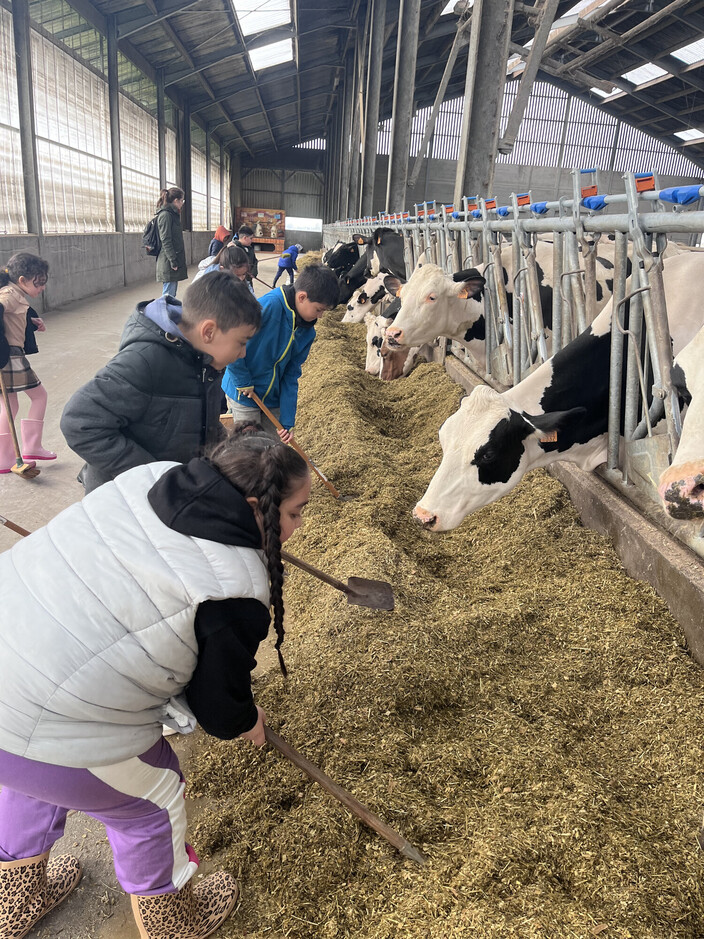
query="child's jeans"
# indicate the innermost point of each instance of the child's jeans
(242, 412)
(140, 802)
(170, 289)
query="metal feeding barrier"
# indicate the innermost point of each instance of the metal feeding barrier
(636, 224)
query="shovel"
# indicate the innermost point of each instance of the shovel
(347, 799)
(25, 470)
(375, 594)
(265, 410)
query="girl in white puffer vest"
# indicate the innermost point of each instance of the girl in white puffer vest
(154, 596)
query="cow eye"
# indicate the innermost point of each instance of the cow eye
(431, 298)
(486, 455)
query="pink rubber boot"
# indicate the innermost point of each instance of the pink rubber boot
(32, 448)
(7, 453)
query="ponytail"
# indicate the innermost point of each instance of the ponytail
(167, 196)
(261, 467)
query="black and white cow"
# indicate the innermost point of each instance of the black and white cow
(342, 256)
(365, 299)
(559, 412)
(381, 253)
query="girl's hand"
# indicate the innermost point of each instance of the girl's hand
(256, 734)
(174, 267)
(39, 323)
(286, 435)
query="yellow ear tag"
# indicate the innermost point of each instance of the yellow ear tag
(398, 292)
(463, 294)
(378, 240)
(549, 437)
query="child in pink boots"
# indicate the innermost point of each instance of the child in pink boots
(21, 280)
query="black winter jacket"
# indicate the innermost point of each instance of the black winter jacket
(157, 399)
(30, 343)
(251, 255)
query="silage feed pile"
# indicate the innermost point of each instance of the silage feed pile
(528, 716)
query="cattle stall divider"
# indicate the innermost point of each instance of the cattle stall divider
(546, 303)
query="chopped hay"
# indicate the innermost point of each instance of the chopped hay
(310, 257)
(528, 715)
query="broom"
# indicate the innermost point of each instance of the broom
(25, 470)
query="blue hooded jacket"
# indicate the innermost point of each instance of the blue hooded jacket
(288, 258)
(275, 356)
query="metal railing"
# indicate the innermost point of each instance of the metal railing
(517, 338)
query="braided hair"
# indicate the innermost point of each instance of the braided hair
(263, 467)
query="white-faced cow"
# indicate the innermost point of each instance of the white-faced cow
(681, 485)
(559, 412)
(435, 304)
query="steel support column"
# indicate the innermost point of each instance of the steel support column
(185, 154)
(25, 101)
(161, 126)
(402, 114)
(223, 217)
(208, 213)
(484, 89)
(371, 121)
(346, 133)
(114, 100)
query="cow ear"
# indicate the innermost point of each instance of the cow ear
(472, 283)
(548, 426)
(393, 285)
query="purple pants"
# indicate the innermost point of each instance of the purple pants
(140, 802)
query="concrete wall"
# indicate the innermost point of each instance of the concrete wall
(83, 265)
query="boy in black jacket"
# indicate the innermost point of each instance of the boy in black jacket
(159, 397)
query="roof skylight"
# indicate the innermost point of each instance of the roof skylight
(255, 16)
(644, 73)
(601, 93)
(273, 54)
(694, 52)
(692, 134)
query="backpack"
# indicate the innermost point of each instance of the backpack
(151, 242)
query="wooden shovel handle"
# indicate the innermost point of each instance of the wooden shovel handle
(309, 569)
(16, 528)
(346, 798)
(301, 452)
(11, 420)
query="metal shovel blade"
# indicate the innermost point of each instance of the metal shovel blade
(376, 594)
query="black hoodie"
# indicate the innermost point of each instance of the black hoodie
(196, 500)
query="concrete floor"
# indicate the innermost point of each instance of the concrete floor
(80, 339)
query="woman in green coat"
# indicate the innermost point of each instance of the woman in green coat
(171, 261)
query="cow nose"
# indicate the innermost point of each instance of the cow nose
(682, 492)
(350, 307)
(393, 334)
(423, 517)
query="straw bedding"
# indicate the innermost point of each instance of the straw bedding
(528, 715)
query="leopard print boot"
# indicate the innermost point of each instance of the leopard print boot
(29, 888)
(192, 913)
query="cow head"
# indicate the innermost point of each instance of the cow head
(396, 361)
(488, 446)
(365, 300)
(433, 304)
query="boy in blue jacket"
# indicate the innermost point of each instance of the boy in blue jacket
(272, 365)
(287, 262)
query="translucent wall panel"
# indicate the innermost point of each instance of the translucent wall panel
(12, 209)
(139, 146)
(198, 191)
(73, 142)
(215, 208)
(171, 170)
